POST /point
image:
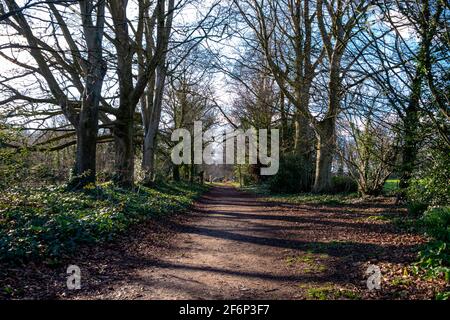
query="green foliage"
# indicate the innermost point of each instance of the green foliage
(434, 258)
(417, 208)
(434, 261)
(312, 198)
(436, 222)
(20, 166)
(49, 222)
(343, 184)
(331, 293)
(42, 171)
(391, 187)
(12, 161)
(294, 175)
(301, 198)
(245, 174)
(443, 295)
(259, 189)
(432, 189)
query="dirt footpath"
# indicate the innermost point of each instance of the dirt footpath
(236, 246)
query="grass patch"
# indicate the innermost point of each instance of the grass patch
(309, 198)
(391, 186)
(302, 198)
(379, 218)
(331, 293)
(259, 189)
(46, 223)
(224, 184)
(309, 262)
(401, 282)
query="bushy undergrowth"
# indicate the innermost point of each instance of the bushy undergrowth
(294, 175)
(343, 184)
(48, 222)
(436, 223)
(12, 161)
(434, 258)
(434, 261)
(428, 202)
(432, 188)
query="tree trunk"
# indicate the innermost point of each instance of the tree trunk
(302, 139)
(85, 158)
(241, 178)
(148, 158)
(151, 127)
(87, 126)
(409, 149)
(86, 131)
(410, 127)
(123, 129)
(284, 123)
(326, 129)
(151, 123)
(325, 146)
(124, 153)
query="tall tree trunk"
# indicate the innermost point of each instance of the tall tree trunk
(152, 119)
(411, 116)
(123, 129)
(335, 36)
(87, 125)
(85, 158)
(124, 152)
(410, 139)
(284, 123)
(151, 128)
(87, 130)
(304, 136)
(148, 157)
(325, 146)
(326, 130)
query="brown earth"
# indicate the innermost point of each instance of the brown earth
(233, 245)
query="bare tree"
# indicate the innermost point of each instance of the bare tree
(413, 63)
(86, 71)
(295, 65)
(158, 21)
(189, 98)
(369, 149)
